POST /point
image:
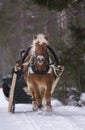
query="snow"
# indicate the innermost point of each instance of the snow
(82, 97)
(61, 118)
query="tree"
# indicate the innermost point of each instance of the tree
(54, 4)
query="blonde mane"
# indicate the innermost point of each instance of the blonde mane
(40, 39)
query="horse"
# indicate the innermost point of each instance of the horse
(40, 77)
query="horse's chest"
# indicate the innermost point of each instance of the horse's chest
(41, 80)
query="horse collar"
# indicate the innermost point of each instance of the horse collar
(38, 72)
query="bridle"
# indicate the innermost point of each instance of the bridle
(36, 71)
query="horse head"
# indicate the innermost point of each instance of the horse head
(39, 52)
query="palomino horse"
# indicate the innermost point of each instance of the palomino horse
(41, 76)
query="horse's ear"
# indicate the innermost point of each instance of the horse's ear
(34, 36)
(46, 37)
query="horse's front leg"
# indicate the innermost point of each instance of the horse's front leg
(48, 98)
(38, 97)
(34, 103)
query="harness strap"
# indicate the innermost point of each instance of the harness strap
(38, 72)
(31, 62)
(55, 56)
(25, 55)
(27, 64)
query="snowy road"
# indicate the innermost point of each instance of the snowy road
(61, 118)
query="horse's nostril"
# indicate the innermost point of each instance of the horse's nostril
(40, 61)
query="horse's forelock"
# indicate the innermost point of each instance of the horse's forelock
(40, 39)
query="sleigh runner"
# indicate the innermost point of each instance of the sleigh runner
(40, 76)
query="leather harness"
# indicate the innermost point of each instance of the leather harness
(43, 71)
(47, 58)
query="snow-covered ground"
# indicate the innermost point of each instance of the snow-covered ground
(61, 118)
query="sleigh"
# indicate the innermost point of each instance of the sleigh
(16, 95)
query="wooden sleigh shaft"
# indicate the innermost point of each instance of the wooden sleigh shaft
(57, 79)
(11, 95)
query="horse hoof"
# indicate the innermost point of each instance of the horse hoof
(49, 108)
(34, 109)
(34, 105)
(39, 111)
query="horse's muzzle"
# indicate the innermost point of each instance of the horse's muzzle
(40, 59)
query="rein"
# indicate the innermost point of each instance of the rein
(48, 47)
(25, 55)
(54, 55)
